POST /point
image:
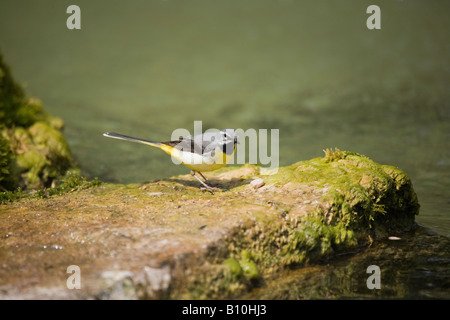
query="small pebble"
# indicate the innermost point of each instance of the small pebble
(257, 183)
(154, 193)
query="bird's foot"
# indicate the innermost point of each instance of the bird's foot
(210, 189)
(205, 186)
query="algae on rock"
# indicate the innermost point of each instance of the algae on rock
(309, 211)
(323, 206)
(33, 151)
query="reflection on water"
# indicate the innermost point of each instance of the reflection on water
(404, 274)
(308, 68)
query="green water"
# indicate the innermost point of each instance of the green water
(423, 273)
(311, 69)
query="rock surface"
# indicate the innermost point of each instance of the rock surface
(167, 239)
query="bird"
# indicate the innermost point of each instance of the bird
(202, 152)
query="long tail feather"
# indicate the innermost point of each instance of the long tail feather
(132, 139)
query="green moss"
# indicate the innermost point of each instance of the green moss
(248, 265)
(359, 201)
(15, 108)
(7, 180)
(314, 239)
(360, 190)
(11, 196)
(327, 237)
(333, 155)
(30, 112)
(234, 268)
(11, 96)
(42, 155)
(72, 181)
(51, 139)
(33, 152)
(52, 144)
(29, 160)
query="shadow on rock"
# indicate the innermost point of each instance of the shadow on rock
(225, 184)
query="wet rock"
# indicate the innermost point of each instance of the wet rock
(158, 280)
(118, 285)
(168, 239)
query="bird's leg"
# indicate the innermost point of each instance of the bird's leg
(202, 176)
(209, 188)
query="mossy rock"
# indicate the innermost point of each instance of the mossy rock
(33, 151)
(168, 239)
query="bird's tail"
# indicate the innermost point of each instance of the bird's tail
(127, 138)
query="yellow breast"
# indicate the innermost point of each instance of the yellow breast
(200, 162)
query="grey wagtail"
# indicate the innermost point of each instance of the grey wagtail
(203, 152)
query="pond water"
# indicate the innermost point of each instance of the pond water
(422, 273)
(311, 69)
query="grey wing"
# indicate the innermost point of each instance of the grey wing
(199, 144)
(209, 141)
